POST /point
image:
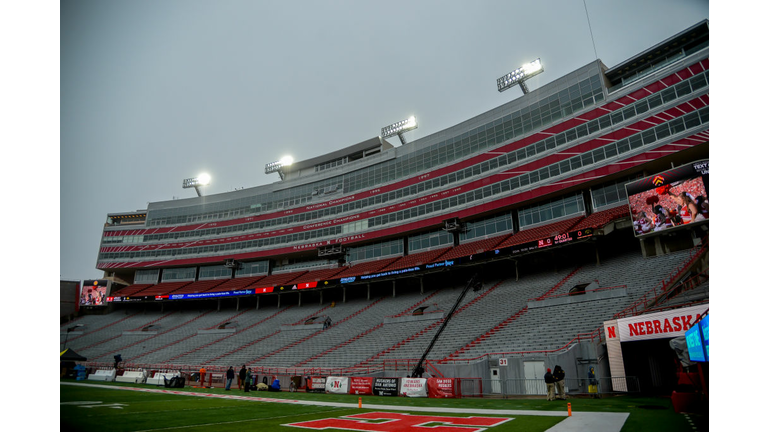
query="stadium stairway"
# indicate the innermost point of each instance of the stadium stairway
(284, 361)
(118, 333)
(368, 343)
(414, 345)
(509, 320)
(99, 323)
(125, 348)
(339, 346)
(215, 345)
(186, 335)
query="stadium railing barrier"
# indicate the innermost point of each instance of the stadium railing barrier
(477, 387)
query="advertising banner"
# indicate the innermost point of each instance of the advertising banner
(441, 388)
(413, 387)
(316, 384)
(361, 385)
(337, 385)
(385, 386)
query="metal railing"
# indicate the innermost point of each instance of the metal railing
(476, 387)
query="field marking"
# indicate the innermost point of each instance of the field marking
(579, 421)
(230, 422)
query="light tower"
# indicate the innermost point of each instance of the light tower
(278, 166)
(519, 76)
(196, 182)
(399, 128)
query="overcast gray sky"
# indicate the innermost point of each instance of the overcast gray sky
(153, 92)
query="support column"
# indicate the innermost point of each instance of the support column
(517, 273)
(278, 301)
(257, 302)
(344, 297)
(421, 284)
(218, 305)
(237, 307)
(393, 289)
(299, 298)
(321, 296)
(369, 290)
(597, 256)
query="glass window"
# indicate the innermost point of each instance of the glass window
(683, 88)
(575, 162)
(598, 154)
(648, 136)
(662, 130)
(623, 145)
(692, 120)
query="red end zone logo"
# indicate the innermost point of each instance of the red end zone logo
(403, 422)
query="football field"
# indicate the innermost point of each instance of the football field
(137, 407)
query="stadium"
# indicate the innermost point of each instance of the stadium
(567, 227)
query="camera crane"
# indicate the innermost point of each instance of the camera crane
(476, 284)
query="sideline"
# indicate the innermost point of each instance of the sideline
(579, 421)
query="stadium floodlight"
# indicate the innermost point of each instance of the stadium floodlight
(278, 166)
(519, 76)
(399, 128)
(196, 182)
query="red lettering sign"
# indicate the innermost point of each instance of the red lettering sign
(400, 422)
(612, 332)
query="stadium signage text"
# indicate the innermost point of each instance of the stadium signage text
(667, 324)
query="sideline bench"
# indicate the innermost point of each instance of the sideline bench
(103, 375)
(135, 377)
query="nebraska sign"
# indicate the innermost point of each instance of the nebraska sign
(667, 324)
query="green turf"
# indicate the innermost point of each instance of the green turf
(148, 411)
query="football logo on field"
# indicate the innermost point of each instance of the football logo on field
(393, 422)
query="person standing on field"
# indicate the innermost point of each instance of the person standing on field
(230, 377)
(247, 385)
(559, 376)
(549, 380)
(202, 376)
(241, 378)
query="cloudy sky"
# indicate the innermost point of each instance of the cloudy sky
(153, 92)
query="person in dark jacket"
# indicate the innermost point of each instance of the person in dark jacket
(230, 377)
(241, 378)
(549, 380)
(247, 386)
(559, 376)
(592, 382)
